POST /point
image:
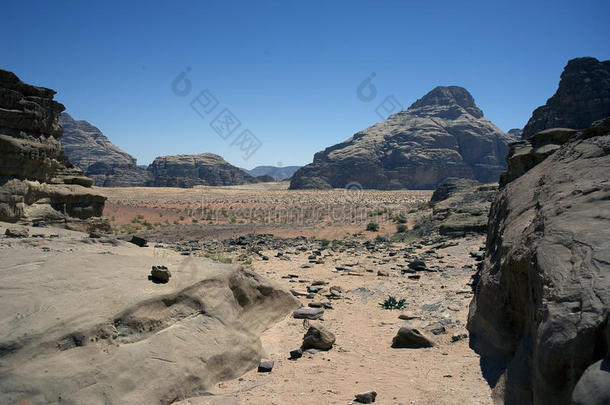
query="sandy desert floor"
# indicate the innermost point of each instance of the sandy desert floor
(362, 358)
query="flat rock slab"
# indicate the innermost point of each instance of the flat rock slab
(308, 313)
(81, 323)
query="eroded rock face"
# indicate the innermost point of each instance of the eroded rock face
(461, 206)
(88, 148)
(539, 316)
(442, 135)
(204, 169)
(82, 327)
(37, 181)
(583, 97)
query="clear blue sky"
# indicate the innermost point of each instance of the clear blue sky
(289, 70)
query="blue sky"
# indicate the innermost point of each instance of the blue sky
(288, 70)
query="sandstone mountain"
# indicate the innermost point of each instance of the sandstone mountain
(442, 135)
(539, 317)
(278, 173)
(515, 134)
(38, 184)
(583, 96)
(88, 148)
(204, 169)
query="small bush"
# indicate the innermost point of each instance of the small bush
(372, 227)
(401, 219)
(393, 303)
(401, 228)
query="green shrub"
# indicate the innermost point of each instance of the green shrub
(393, 303)
(372, 227)
(401, 219)
(401, 228)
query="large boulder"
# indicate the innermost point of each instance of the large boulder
(205, 169)
(539, 316)
(442, 135)
(37, 181)
(88, 148)
(82, 323)
(583, 97)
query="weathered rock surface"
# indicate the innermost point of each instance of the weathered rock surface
(88, 148)
(442, 135)
(461, 206)
(515, 134)
(81, 323)
(593, 388)
(204, 169)
(37, 181)
(583, 97)
(539, 316)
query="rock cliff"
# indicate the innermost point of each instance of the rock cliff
(583, 97)
(204, 169)
(38, 184)
(539, 317)
(88, 148)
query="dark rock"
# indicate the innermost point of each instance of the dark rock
(441, 135)
(436, 328)
(296, 354)
(366, 397)
(265, 366)
(418, 265)
(308, 313)
(138, 241)
(411, 338)
(539, 315)
(160, 274)
(318, 337)
(583, 97)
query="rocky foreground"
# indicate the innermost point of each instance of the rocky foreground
(539, 318)
(83, 321)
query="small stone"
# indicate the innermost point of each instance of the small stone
(435, 328)
(308, 313)
(265, 258)
(160, 274)
(405, 316)
(411, 338)
(318, 337)
(418, 265)
(17, 233)
(265, 366)
(366, 397)
(383, 273)
(296, 354)
(141, 242)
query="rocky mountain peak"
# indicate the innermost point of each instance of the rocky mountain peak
(583, 97)
(449, 96)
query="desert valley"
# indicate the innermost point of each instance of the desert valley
(429, 259)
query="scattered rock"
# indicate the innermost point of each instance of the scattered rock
(138, 241)
(296, 354)
(383, 273)
(318, 337)
(265, 366)
(411, 338)
(160, 274)
(457, 336)
(366, 397)
(308, 313)
(593, 388)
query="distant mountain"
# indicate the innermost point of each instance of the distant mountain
(205, 169)
(88, 148)
(442, 135)
(514, 134)
(278, 173)
(583, 97)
